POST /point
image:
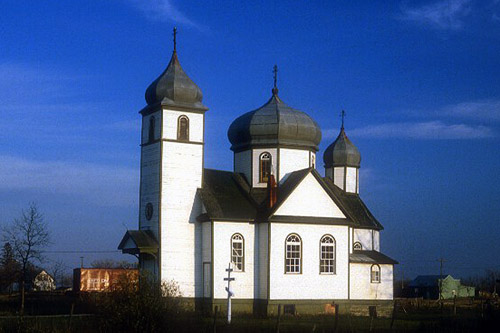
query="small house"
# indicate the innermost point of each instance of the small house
(428, 287)
(43, 281)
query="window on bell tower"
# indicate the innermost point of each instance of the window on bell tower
(265, 160)
(151, 137)
(183, 128)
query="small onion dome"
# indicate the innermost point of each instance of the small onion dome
(274, 124)
(342, 152)
(174, 87)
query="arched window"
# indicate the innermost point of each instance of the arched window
(238, 252)
(375, 274)
(327, 255)
(313, 161)
(293, 254)
(265, 160)
(357, 246)
(151, 137)
(183, 128)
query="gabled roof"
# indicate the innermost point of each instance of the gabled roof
(427, 280)
(370, 257)
(227, 196)
(144, 242)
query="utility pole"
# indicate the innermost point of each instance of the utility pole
(229, 292)
(81, 262)
(441, 261)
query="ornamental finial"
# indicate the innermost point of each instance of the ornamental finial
(275, 77)
(342, 114)
(175, 39)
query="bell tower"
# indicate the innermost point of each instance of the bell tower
(342, 161)
(172, 144)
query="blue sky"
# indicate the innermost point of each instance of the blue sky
(420, 82)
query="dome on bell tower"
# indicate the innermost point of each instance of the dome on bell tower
(342, 152)
(174, 87)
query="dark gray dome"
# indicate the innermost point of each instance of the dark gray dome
(342, 152)
(273, 124)
(175, 88)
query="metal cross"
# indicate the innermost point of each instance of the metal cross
(175, 38)
(229, 292)
(342, 114)
(275, 75)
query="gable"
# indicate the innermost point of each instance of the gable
(309, 198)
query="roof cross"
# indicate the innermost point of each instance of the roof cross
(175, 39)
(275, 77)
(342, 114)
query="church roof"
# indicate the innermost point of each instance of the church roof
(274, 124)
(370, 257)
(174, 88)
(342, 152)
(227, 196)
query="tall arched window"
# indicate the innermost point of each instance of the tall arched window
(375, 274)
(265, 160)
(238, 252)
(183, 128)
(151, 136)
(357, 246)
(293, 254)
(327, 255)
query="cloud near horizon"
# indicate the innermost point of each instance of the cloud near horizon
(430, 130)
(102, 185)
(481, 110)
(444, 14)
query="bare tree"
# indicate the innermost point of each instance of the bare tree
(28, 235)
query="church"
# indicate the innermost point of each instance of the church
(292, 236)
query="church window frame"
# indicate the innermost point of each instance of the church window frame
(357, 246)
(238, 252)
(293, 254)
(152, 125)
(375, 274)
(265, 165)
(328, 255)
(183, 128)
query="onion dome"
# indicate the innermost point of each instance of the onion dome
(174, 87)
(274, 124)
(342, 152)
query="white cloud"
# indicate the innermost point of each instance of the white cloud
(431, 130)
(481, 110)
(445, 14)
(165, 11)
(100, 184)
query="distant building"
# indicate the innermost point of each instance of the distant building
(101, 279)
(43, 281)
(427, 286)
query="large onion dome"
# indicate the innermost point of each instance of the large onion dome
(174, 87)
(274, 124)
(342, 152)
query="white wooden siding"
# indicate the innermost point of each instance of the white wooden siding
(309, 199)
(376, 240)
(195, 125)
(310, 284)
(180, 232)
(255, 164)
(243, 285)
(363, 288)
(150, 186)
(145, 126)
(292, 160)
(338, 177)
(364, 236)
(261, 267)
(350, 182)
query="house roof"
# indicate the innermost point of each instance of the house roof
(228, 196)
(427, 280)
(370, 257)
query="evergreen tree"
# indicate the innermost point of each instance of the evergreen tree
(9, 268)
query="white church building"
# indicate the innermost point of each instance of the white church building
(293, 237)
